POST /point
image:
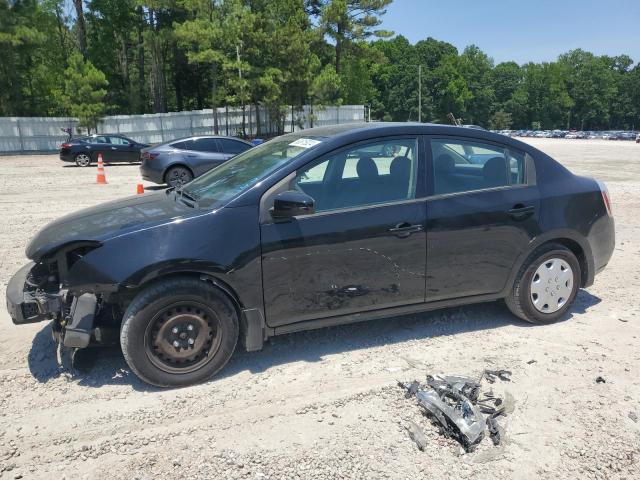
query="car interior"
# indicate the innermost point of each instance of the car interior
(375, 174)
(476, 168)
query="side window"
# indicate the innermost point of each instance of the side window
(369, 174)
(118, 141)
(313, 174)
(462, 166)
(232, 146)
(99, 139)
(516, 167)
(204, 145)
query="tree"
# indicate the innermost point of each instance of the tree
(202, 37)
(81, 27)
(500, 120)
(348, 21)
(84, 91)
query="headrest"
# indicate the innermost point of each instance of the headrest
(495, 171)
(400, 167)
(367, 168)
(444, 163)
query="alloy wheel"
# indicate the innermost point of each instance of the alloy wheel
(83, 160)
(178, 177)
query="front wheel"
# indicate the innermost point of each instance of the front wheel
(546, 285)
(179, 332)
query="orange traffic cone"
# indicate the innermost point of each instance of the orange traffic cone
(140, 189)
(101, 178)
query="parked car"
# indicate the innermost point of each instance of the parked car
(114, 148)
(638, 138)
(319, 227)
(179, 161)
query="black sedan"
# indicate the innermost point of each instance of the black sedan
(114, 148)
(320, 227)
(179, 161)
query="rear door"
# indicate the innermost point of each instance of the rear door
(363, 249)
(482, 214)
(203, 154)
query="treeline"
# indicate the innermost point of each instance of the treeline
(141, 56)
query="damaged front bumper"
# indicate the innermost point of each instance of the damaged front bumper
(30, 305)
(72, 316)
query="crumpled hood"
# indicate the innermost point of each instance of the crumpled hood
(108, 220)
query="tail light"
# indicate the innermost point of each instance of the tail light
(65, 146)
(148, 155)
(605, 197)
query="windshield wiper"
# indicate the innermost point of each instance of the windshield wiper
(186, 198)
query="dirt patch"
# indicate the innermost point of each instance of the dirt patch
(325, 404)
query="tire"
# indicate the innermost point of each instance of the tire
(178, 176)
(193, 313)
(83, 160)
(557, 287)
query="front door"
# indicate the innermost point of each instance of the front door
(363, 249)
(482, 216)
(121, 150)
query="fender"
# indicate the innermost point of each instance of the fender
(550, 236)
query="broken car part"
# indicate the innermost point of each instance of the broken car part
(417, 435)
(455, 405)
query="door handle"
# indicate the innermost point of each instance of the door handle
(520, 211)
(404, 229)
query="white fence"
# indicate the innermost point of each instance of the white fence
(45, 134)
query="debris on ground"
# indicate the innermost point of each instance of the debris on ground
(531, 361)
(417, 435)
(600, 380)
(456, 406)
(491, 375)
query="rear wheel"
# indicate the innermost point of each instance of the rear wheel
(546, 285)
(178, 176)
(83, 160)
(179, 332)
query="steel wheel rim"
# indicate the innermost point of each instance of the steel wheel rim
(179, 177)
(83, 160)
(173, 347)
(551, 285)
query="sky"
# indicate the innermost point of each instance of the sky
(522, 30)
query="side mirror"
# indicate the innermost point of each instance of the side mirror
(287, 205)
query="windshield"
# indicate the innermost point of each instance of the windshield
(245, 170)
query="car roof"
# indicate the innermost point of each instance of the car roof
(355, 131)
(194, 137)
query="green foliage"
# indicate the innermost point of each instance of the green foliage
(84, 91)
(159, 55)
(500, 120)
(325, 88)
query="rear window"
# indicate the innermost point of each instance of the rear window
(233, 146)
(204, 145)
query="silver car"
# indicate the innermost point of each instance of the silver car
(179, 161)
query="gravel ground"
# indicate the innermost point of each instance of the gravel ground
(325, 404)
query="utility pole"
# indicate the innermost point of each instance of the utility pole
(419, 93)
